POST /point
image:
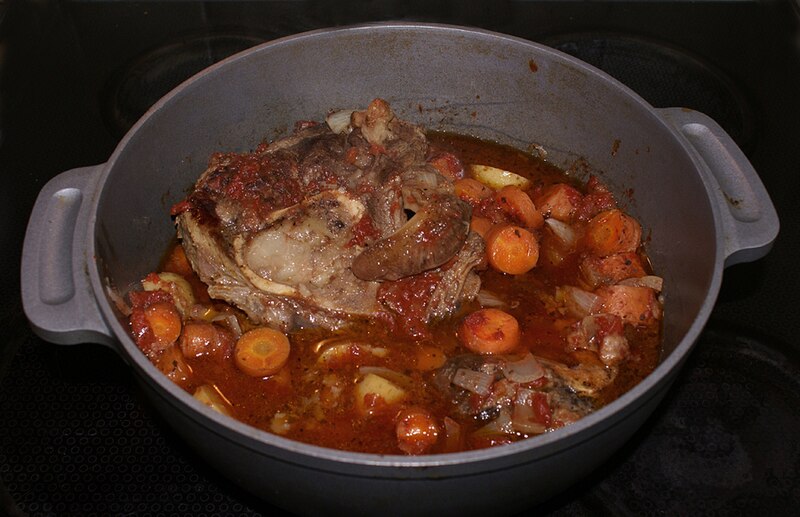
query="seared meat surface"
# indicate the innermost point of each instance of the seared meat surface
(304, 230)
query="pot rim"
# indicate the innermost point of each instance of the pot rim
(534, 447)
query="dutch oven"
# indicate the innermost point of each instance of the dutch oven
(95, 231)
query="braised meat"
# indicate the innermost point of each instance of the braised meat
(304, 230)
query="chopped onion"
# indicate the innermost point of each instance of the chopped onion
(476, 382)
(339, 121)
(577, 301)
(524, 418)
(488, 367)
(118, 301)
(489, 299)
(280, 423)
(202, 312)
(340, 341)
(527, 369)
(210, 395)
(500, 425)
(497, 178)
(231, 322)
(323, 344)
(338, 348)
(589, 327)
(452, 431)
(398, 378)
(562, 231)
(488, 412)
(655, 283)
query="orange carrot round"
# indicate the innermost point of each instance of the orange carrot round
(517, 204)
(416, 431)
(489, 331)
(165, 321)
(512, 249)
(262, 351)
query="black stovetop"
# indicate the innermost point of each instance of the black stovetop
(76, 437)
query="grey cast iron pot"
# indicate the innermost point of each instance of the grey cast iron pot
(101, 228)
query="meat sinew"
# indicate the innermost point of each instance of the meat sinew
(307, 229)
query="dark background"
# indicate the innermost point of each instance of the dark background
(77, 439)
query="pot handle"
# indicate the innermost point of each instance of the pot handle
(57, 295)
(750, 222)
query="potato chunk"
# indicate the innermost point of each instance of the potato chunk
(373, 392)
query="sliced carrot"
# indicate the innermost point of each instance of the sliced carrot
(612, 231)
(480, 225)
(471, 190)
(517, 204)
(512, 249)
(489, 331)
(416, 431)
(165, 322)
(262, 351)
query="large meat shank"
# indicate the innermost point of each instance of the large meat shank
(305, 230)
